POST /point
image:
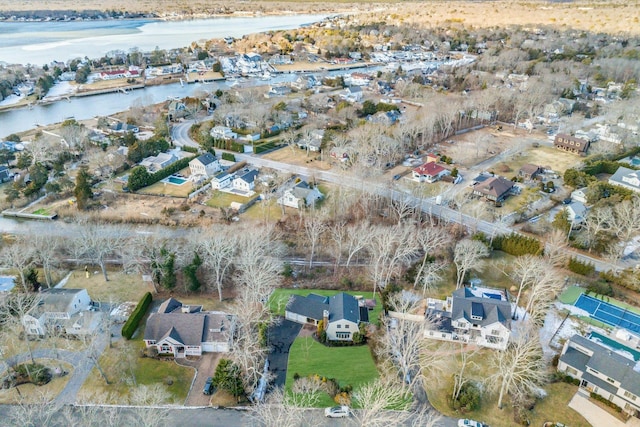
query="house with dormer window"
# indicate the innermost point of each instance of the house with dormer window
(604, 367)
(627, 178)
(342, 313)
(475, 315)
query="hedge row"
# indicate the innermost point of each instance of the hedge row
(230, 145)
(130, 326)
(580, 267)
(516, 244)
(228, 156)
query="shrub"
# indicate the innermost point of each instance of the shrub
(130, 326)
(610, 404)
(228, 156)
(517, 245)
(227, 377)
(580, 267)
(32, 372)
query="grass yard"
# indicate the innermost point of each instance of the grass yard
(266, 210)
(30, 393)
(121, 287)
(571, 294)
(348, 365)
(557, 160)
(280, 297)
(147, 371)
(221, 199)
(168, 189)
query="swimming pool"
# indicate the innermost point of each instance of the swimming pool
(175, 180)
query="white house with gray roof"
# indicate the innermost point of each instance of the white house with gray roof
(184, 330)
(69, 310)
(627, 178)
(605, 370)
(476, 315)
(342, 313)
(300, 195)
(205, 165)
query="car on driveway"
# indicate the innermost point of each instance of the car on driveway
(463, 422)
(337, 412)
(208, 386)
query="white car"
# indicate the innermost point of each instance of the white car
(337, 412)
(470, 423)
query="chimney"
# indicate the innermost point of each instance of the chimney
(325, 318)
(186, 309)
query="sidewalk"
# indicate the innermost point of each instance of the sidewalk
(596, 416)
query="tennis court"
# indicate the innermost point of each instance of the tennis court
(609, 313)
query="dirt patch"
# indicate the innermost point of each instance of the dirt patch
(299, 157)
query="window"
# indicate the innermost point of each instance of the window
(611, 380)
(495, 332)
(629, 395)
(444, 335)
(339, 326)
(343, 335)
(593, 371)
(572, 371)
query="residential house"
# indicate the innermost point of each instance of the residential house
(476, 315)
(161, 161)
(184, 330)
(352, 94)
(204, 165)
(222, 132)
(429, 172)
(495, 188)
(342, 313)
(300, 195)
(5, 174)
(576, 212)
(358, 79)
(277, 90)
(579, 195)
(280, 59)
(312, 141)
(386, 118)
(529, 171)
(121, 127)
(67, 310)
(221, 180)
(339, 153)
(570, 143)
(608, 370)
(304, 82)
(244, 180)
(432, 158)
(627, 178)
(177, 110)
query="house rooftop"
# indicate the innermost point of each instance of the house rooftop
(206, 158)
(184, 328)
(430, 168)
(495, 186)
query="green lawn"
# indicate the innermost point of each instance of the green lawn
(223, 200)
(280, 297)
(571, 295)
(348, 365)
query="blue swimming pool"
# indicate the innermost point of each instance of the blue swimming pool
(176, 180)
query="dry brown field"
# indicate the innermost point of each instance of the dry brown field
(616, 16)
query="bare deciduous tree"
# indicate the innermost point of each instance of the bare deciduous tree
(467, 255)
(358, 238)
(519, 368)
(98, 242)
(46, 253)
(314, 227)
(284, 409)
(18, 255)
(218, 249)
(375, 398)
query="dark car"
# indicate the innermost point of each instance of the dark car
(397, 177)
(208, 386)
(566, 201)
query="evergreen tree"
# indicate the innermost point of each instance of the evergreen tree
(82, 191)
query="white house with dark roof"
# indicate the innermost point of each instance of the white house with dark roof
(244, 180)
(627, 178)
(609, 371)
(342, 313)
(158, 162)
(300, 195)
(221, 180)
(184, 330)
(476, 315)
(205, 165)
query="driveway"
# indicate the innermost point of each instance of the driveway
(205, 367)
(280, 338)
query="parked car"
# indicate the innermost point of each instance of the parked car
(397, 177)
(337, 412)
(208, 386)
(462, 422)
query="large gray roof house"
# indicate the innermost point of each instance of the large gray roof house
(342, 313)
(478, 315)
(608, 371)
(184, 330)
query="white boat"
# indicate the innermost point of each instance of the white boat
(265, 76)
